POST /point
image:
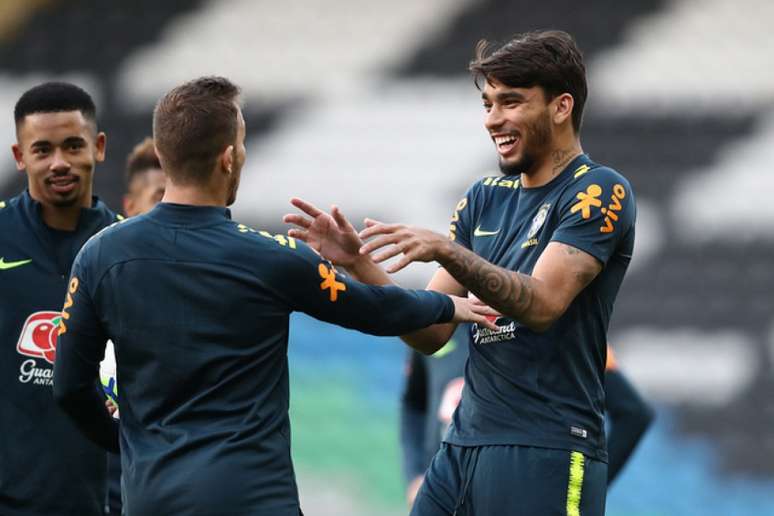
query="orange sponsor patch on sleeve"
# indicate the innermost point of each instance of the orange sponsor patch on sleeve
(329, 282)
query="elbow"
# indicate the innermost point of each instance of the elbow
(427, 345)
(428, 349)
(543, 314)
(542, 321)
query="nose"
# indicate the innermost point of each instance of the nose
(493, 119)
(59, 163)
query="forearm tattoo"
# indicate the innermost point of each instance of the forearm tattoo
(508, 292)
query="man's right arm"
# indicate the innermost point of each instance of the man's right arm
(310, 284)
(334, 237)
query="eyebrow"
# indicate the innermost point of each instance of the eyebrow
(507, 95)
(69, 140)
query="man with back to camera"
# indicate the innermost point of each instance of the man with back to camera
(198, 307)
(46, 465)
(547, 246)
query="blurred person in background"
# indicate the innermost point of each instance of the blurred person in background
(546, 246)
(433, 389)
(46, 465)
(145, 181)
(628, 414)
(198, 308)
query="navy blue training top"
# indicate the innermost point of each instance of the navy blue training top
(39, 445)
(198, 307)
(544, 389)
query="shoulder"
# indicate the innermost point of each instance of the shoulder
(600, 175)
(496, 183)
(272, 243)
(104, 236)
(6, 209)
(105, 214)
(10, 210)
(492, 185)
(597, 184)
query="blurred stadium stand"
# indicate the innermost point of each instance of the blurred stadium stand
(369, 105)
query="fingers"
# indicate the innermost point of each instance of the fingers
(341, 220)
(378, 243)
(374, 227)
(486, 323)
(299, 234)
(298, 220)
(384, 255)
(482, 309)
(308, 208)
(400, 264)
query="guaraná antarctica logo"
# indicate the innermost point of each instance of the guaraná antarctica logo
(38, 340)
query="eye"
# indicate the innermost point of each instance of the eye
(74, 146)
(487, 107)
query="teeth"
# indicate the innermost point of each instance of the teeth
(500, 140)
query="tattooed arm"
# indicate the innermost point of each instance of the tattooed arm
(536, 300)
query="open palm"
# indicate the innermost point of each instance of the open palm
(331, 235)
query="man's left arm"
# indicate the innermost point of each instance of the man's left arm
(535, 300)
(80, 349)
(584, 240)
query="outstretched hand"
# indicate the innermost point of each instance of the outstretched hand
(331, 235)
(416, 244)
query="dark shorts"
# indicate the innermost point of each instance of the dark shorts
(513, 481)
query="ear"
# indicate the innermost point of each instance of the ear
(227, 159)
(18, 156)
(562, 108)
(100, 143)
(128, 205)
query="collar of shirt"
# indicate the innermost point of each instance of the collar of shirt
(188, 215)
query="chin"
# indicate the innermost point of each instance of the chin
(519, 166)
(64, 202)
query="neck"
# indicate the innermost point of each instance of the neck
(194, 195)
(552, 164)
(63, 218)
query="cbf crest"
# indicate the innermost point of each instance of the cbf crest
(537, 223)
(539, 220)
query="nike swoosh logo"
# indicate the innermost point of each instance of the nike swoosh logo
(481, 233)
(4, 266)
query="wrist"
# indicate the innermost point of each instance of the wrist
(444, 252)
(360, 267)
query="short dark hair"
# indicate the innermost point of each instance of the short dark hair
(141, 159)
(54, 97)
(193, 124)
(549, 59)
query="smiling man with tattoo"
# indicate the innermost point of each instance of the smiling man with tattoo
(546, 246)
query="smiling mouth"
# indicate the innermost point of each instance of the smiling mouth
(505, 143)
(62, 184)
